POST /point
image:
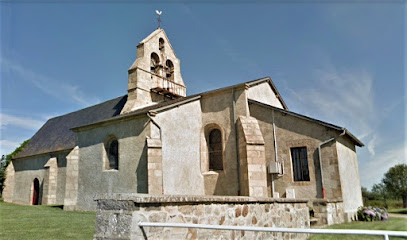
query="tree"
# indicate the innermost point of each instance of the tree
(5, 161)
(380, 192)
(396, 182)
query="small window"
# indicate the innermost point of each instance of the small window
(300, 163)
(215, 150)
(155, 63)
(169, 68)
(161, 44)
(112, 152)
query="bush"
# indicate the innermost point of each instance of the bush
(391, 203)
(372, 214)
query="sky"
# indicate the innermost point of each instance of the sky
(342, 62)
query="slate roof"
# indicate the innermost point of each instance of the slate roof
(182, 100)
(56, 134)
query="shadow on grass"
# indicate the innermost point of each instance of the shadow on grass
(58, 206)
(399, 211)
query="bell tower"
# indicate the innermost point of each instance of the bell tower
(155, 76)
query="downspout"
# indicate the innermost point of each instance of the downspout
(320, 159)
(159, 128)
(275, 153)
(236, 141)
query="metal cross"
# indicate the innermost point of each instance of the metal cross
(159, 17)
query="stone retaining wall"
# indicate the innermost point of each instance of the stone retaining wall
(328, 212)
(118, 215)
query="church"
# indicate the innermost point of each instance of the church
(240, 140)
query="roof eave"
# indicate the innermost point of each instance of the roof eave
(329, 125)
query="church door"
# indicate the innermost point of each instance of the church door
(36, 191)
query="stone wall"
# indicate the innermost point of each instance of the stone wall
(50, 182)
(94, 178)
(328, 212)
(27, 169)
(253, 174)
(9, 183)
(118, 216)
(349, 175)
(72, 173)
(293, 132)
(154, 166)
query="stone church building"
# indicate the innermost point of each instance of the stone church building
(241, 140)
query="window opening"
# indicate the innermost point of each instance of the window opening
(169, 67)
(112, 150)
(215, 150)
(300, 164)
(161, 44)
(155, 63)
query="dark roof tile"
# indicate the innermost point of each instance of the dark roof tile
(56, 134)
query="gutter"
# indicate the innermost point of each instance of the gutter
(275, 152)
(320, 159)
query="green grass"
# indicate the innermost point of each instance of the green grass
(398, 211)
(44, 222)
(393, 224)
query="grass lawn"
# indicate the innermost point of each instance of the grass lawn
(393, 224)
(398, 211)
(44, 222)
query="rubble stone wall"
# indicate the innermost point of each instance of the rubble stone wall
(329, 212)
(118, 216)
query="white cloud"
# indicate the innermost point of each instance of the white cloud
(52, 87)
(7, 147)
(342, 97)
(372, 170)
(22, 122)
(371, 145)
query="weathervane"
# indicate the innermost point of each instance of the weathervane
(159, 17)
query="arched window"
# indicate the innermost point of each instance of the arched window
(112, 152)
(155, 63)
(215, 150)
(161, 44)
(169, 68)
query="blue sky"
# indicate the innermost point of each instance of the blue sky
(339, 62)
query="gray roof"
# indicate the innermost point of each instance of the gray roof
(182, 100)
(56, 134)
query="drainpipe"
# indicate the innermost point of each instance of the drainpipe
(320, 159)
(236, 141)
(275, 153)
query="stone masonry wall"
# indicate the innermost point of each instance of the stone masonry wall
(329, 212)
(72, 173)
(9, 183)
(154, 166)
(50, 182)
(253, 174)
(118, 216)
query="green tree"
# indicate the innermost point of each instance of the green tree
(380, 192)
(5, 161)
(396, 182)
